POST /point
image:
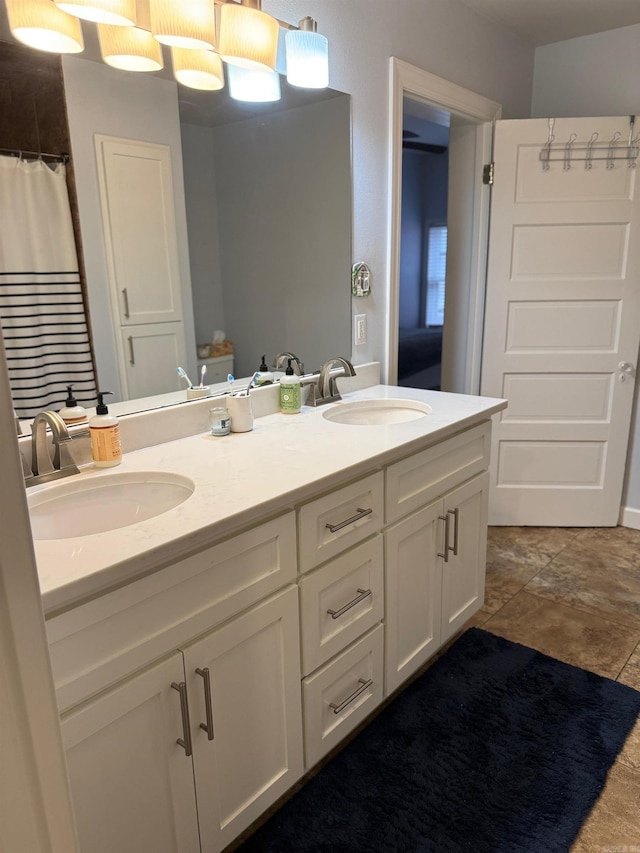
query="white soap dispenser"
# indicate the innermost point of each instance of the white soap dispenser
(72, 413)
(290, 391)
(104, 430)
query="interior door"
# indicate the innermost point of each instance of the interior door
(562, 321)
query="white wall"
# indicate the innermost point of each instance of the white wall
(440, 36)
(132, 106)
(596, 75)
(202, 226)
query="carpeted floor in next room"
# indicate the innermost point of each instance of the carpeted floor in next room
(574, 594)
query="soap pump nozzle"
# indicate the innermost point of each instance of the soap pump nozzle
(101, 408)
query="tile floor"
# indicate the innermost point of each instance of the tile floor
(574, 594)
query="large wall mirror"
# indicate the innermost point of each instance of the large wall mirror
(263, 214)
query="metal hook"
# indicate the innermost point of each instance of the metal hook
(589, 156)
(567, 151)
(545, 155)
(611, 149)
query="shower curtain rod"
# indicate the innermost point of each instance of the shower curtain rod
(40, 155)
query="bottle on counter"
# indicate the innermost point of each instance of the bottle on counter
(290, 391)
(265, 377)
(72, 413)
(104, 430)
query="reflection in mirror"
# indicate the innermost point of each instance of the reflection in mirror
(266, 201)
(268, 251)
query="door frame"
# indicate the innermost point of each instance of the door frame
(408, 80)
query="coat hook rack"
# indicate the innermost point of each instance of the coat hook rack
(572, 151)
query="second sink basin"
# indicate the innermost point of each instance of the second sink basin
(377, 412)
(108, 502)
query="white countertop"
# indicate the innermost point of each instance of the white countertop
(240, 479)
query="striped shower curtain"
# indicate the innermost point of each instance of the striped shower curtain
(42, 309)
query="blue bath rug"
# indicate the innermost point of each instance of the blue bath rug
(494, 749)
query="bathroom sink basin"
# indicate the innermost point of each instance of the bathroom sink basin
(377, 412)
(103, 503)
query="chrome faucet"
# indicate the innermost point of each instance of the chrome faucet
(327, 387)
(280, 361)
(43, 468)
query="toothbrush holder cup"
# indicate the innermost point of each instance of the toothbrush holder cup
(239, 408)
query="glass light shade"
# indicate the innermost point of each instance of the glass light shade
(40, 24)
(190, 25)
(248, 37)
(130, 48)
(198, 69)
(246, 84)
(117, 13)
(307, 59)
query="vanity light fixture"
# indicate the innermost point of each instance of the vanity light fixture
(197, 69)
(40, 24)
(189, 25)
(130, 48)
(248, 36)
(246, 84)
(307, 56)
(248, 39)
(117, 13)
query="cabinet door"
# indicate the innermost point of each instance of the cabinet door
(131, 782)
(463, 574)
(412, 593)
(255, 753)
(151, 354)
(139, 222)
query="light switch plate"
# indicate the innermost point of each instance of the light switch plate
(360, 329)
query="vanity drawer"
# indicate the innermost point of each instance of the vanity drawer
(339, 696)
(337, 521)
(417, 480)
(340, 601)
(96, 644)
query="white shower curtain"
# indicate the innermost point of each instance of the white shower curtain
(42, 308)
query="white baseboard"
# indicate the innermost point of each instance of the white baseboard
(630, 517)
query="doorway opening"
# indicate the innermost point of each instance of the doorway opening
(460, 121)
(423, 246)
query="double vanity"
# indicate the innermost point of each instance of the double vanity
(206, 657)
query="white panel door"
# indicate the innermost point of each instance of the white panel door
(152, 353)
(138, 215)
(562, 323)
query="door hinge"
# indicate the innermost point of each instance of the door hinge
(487, 174)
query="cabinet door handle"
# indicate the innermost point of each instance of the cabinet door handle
(361, 513)
(336, 614)
(125, 297)
(456, 518)
(132, 357)
(208, 728)
(363, 686)
(446, 518)
(185, 741)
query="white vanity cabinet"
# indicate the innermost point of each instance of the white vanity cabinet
(195, 696)
(435, 556)
(211, 640)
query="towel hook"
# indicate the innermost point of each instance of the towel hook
(611, 149)
(546, 152)
(589, 156)
(567, 151)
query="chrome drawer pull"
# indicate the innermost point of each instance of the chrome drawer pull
(184, 742)
(456, 517)
(132, 355)
(126, 303)
(208, 728)
(446, 518)
(336, 614)
(361, 513)
(363, 686)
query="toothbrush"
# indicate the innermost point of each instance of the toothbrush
(245, 393)
(182, 373)
(230, 380)
(202, 374)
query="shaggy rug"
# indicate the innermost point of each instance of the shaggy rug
(494, 749)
